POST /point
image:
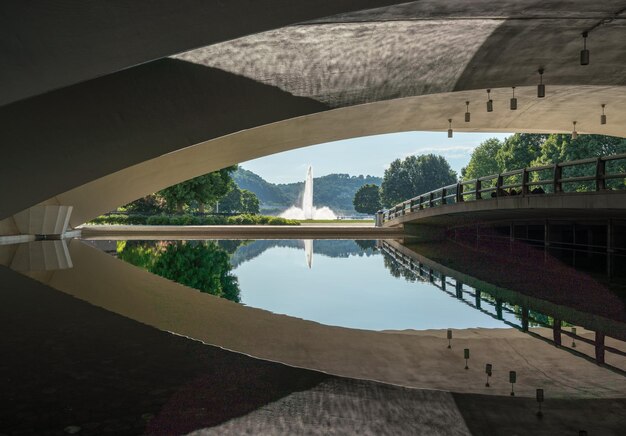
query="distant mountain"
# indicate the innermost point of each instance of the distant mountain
(331, 248)
(334, 190)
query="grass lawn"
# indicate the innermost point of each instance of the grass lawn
(335, 221)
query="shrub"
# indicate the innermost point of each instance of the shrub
(190, 220)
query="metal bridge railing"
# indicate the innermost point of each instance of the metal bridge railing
(539, 180)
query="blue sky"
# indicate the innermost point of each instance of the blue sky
(369, 155)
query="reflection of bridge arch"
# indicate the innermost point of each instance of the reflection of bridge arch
(473, 292)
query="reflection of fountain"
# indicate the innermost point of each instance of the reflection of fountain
(308, 211)
(308, 250)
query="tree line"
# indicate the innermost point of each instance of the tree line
(417, 175)
(214, 191)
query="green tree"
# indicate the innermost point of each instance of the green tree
(483, 161)
(239, 201)
(202, 190)
(561, 148)
(249, 202)
(149, 205)
(519, 151)
(367, 199)
(413, 176)
(231, 202)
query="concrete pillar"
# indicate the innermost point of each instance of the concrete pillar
(43, 220)
(379, 218)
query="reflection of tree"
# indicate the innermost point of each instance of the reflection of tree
(366, 245)
(201, 265)
(329, 248)
(397, 270)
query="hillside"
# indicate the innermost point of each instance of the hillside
(334, 190)
(269, 194)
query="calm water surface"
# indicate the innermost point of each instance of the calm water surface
(336, 282)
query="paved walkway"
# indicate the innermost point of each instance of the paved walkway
(305, 231)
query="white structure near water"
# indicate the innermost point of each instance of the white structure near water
(308, 211)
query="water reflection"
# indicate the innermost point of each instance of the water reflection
(522, 311)
(410, 358)
(39, 256)
(202, 265)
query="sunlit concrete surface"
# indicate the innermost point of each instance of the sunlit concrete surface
(371, 66)
(337, 407)
(412, 359)
(100, 38)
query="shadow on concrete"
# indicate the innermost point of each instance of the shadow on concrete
(67, 363)
(89, 130)
(488, 415)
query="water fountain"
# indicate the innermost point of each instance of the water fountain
(308, 211)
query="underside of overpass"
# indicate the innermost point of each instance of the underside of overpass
(90, 122)
(102, 103)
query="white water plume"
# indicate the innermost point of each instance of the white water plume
(308, 211)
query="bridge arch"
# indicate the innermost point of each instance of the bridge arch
(428, 112)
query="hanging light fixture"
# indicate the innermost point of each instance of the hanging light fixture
(449, 127)
(489, 101)
(584, 53)
(467, 112)
(603, 117)
(541, 88)
(513, 101)
(574, 132)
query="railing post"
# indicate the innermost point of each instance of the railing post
(421, 202)
(430, 199)
(556, 331)
(444, 192)
(459, 192)
(599, 346)
(499, 180)
(600, 174)
(524, 182)
(558, 174)
(477, 190)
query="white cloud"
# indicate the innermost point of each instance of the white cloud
(453, 151)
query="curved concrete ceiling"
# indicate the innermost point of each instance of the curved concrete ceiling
(384, 57)
(52, 44)
(553, 114)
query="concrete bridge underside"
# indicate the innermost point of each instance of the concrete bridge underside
(585, 206)
(93, 123)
